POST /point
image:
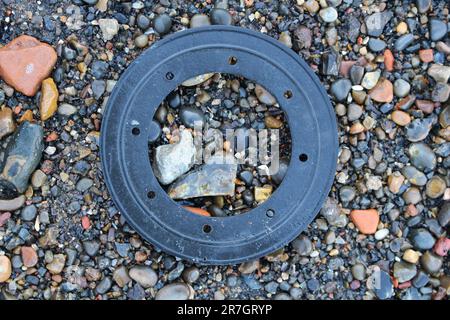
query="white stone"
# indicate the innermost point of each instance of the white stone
(381, 234)
(109, 27)
(173, 160)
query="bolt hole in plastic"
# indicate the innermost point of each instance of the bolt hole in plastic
(298, 198)
(170, 76)
(207, 228)
(151, 195)
(135, 131)
(232, 60)
(288, 94)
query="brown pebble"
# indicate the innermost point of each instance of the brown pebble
(7, 124)
(401, 118)
(49, 99)
(273, 123)
(383, 91)
(29, 257)
(5, 268)
(426, 55)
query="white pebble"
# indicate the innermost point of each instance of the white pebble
(50, 150)
(381, 234)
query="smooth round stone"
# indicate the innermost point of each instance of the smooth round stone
(421, 156)
(330, 237)
(423, 5)
(376, 45)
(145, 276)
(264, 96)
(28, 213)
(435, 187)
(401, 88)
(385, 289)
(90, 2)
(246, 176)
(438, 29)
(282, 169)
(162, 24)
(359, 271)
(302, 245)
(104, 285)
(420, 280)
(173, 291)
(91, 247)
(220, 16)
(412, 196)
(216, 211)
(190, 275)
(404, 41)
(161, 114)
(84, 184)
(354, 112)
(143, 22)
(431, 262)
(411, 256)
(174, 100)
(404, 271)
(38, 179)
(414, 176)
(340, 89)
(419, 129)
(191, 116)
(347, 193)
(248, 197)
(444, 117)
(400, 118)
(66, 109)
(5, 268)
(199, 20)
(444, 214)
(381, 234)
(154, 131)
(285, 38)
(329, 14)
(141, 41)
(356, 74)
(370, 79)
(421, 239)
(197, 80)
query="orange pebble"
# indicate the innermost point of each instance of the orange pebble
(388, 60)
(198, 211)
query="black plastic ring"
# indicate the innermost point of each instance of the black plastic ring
(124, 145)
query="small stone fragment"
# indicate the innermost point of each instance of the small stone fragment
(5, 269)
(49, 99)
(214, 178)
(383, 91)
(173, 291)
(22, 156)
(197, 80)
(29, 257)
(144, 275)
(262, 193)
(7, 124)
(173, 160)
(264, 96)
(109, 28)
(365, 220)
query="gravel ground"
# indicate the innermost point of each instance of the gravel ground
(386, 67)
